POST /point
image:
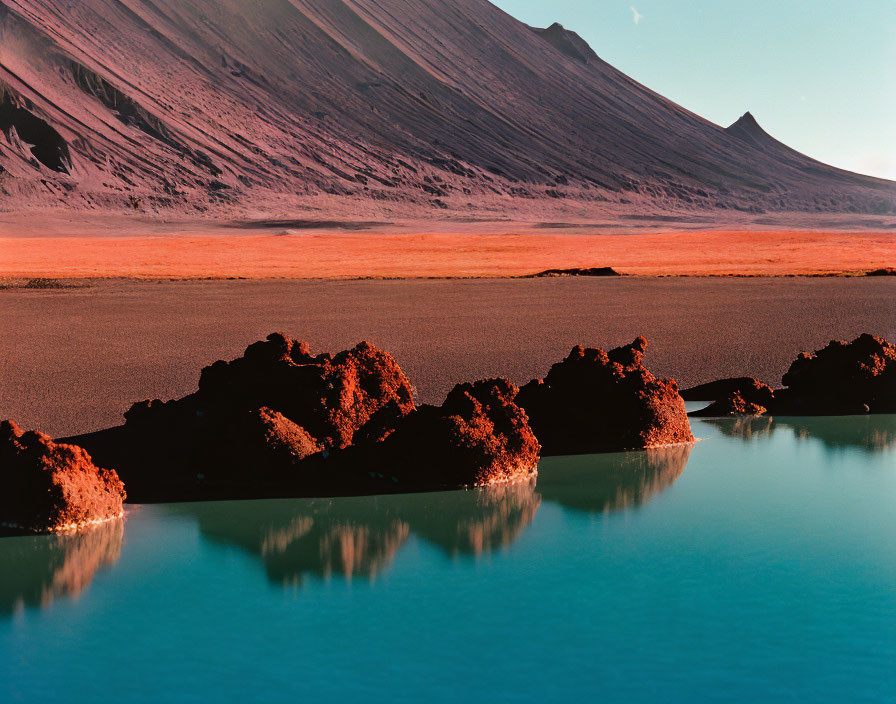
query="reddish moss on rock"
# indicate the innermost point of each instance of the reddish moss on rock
(49, 487)
(330, 396)
(732, 405)
(844, 378)
(477, 437)
(253, 421)
(270, 438)
(750, 389)
(596, 401)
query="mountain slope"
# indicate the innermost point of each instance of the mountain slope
(227, 106)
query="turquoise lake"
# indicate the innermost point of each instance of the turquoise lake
(758, 564)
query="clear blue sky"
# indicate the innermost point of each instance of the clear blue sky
(819, 75)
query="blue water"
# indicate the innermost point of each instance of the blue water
(760, 565)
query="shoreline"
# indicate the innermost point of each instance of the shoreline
(18, 531)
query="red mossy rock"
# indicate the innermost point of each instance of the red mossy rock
(253, 421)
(751, 391)
(741, 396)
(844, 378)
(382, 423)
(477, 437)
(732, 405)
(330, 396)
(50, 487)
(596, 401)
(241, 454)
(281, 422)
(268, 437)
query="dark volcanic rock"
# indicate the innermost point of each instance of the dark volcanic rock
(841, 379)
(50, 487)
(748, 387)
(477, 437)
(330, 396)
(595, 401)
(844, 378)
(743, 396)
(252, 422)
(734, 404)
(281, 422)
(592, 271)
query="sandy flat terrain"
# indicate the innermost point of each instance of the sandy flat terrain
(292, 253)
(74, 359)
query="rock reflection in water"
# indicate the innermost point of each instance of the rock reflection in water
(874, 433)
(748, 427)
(36, 570)
(474, 522)
(299, 537)
(360, 536)
(611, 482)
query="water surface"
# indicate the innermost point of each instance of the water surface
(758, 564)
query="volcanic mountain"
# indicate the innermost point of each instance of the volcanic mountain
(228, 107)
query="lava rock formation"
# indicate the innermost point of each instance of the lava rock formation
(50, 487)
(844, 378)
(477, 437)
(597, 401)
(279, 421)
(253, 422)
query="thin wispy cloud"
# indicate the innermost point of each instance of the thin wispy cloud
(636, 16)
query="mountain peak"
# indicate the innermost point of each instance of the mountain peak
(748, 129)
(747, 122)
(397, 121)
(567, 42)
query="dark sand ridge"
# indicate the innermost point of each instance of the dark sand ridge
(73, 360)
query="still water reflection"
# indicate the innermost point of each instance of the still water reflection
(350, 537)
(611, 482)
(360, 536)
(36, 570)
(867, 432)
(755, 565)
